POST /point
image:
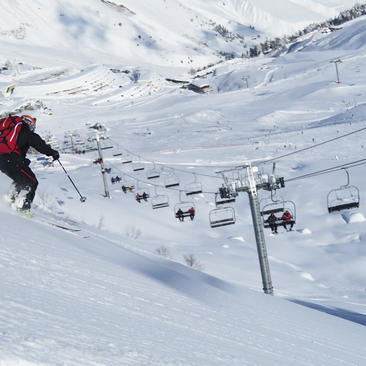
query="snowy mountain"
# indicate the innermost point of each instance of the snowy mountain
(179, 34)
(119, 282)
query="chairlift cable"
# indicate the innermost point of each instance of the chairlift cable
(309, 175)
(153, 184)
(309, 147)
(329, 170)
(260, 163)
(165, 165)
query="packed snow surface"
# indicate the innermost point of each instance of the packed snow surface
(112, 281)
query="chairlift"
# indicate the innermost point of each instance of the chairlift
(278, 206)
(115, 179)
(128, 188)
(153, 173)
(184, 209)
(142, 193)
(128, 185)
(222, 216)
(223, 200)
(138, 167)
(126, 160)
(193, 188)
(171, 180)
(225, 195)
(159, 200)
(345, 197)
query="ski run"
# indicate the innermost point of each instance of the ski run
(116, 281)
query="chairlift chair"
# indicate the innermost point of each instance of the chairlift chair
(193, 188)
(127, 188)
(185, 207)
(223, 201)
(225, 195)
(128, 184)
(126, 160)
(159, 200)
(345, 197)
(222, 216)
(171, 180)
(138, 167)
(275, 207)
(278, 207)
(153, 173)
(142, 193)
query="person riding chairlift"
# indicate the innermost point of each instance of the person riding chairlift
(287, 220)
(180, 215)
(191, 212)
(272, 222)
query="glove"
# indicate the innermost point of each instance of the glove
(55, 155)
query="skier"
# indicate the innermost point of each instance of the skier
(272, 222)
(191, 212)
(224, 192)
(287, 220)
(98, 161)
(16, 137)
(180, 215)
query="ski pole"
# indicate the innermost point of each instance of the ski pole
(82, 198)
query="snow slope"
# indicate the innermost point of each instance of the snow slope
(168, 33)
(72, 300)
(91, 301)
(119, 292)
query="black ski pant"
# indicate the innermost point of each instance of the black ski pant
(16, 167)
(273, 227)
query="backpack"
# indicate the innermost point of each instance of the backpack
(9, 131)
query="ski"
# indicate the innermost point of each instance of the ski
(46, 220)
(73, 230)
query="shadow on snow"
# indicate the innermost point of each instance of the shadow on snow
(339, 312)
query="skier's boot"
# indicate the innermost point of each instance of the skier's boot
(25, 209)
